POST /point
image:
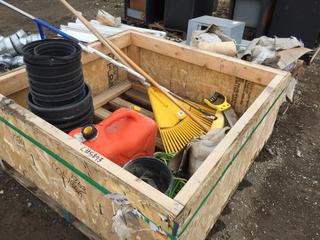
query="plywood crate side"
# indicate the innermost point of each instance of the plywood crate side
(82, 178)
(258, 74)
(55, 206)
(227, 165)
(197, 83)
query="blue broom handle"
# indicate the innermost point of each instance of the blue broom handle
(42, 24)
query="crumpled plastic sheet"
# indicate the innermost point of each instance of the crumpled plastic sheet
(264, 50)
(124, 222)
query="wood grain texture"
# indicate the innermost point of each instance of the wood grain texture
(244, 144)
(197, 83)
(121, 103)
(102, 113)
(84, 201)
(110, 94)
(227, 65)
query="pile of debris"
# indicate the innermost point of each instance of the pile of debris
(281, 53)
(107, 25)
(11, 49)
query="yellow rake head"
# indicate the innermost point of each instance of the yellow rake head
(176, 128)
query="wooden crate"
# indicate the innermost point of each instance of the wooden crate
(84, 182)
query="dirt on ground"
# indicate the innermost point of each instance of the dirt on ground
(279, 198)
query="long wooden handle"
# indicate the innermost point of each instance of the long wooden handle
(118, 53)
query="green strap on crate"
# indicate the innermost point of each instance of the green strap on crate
(75, 170)
(229, 165)
(105, 191)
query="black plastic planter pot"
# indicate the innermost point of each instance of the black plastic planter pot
(58, 99)
(52, 52)
(52, 70)
(67, 125)
(152, 171)
(67, 114)
(56, 89)
(52, 84)
(53, 61)
(62, 111)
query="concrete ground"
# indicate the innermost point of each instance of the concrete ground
(279, 198)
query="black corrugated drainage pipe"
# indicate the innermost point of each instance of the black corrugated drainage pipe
(58, 92)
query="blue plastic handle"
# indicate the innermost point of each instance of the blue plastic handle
(41, 24)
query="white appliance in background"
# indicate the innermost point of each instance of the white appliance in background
(233, 29)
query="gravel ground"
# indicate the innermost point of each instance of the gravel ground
(279, 198)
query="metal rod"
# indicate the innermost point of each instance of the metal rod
(52, 28)
(41, 31)
(8, 5)
(42, 24)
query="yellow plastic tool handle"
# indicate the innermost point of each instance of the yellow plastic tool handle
(212, 102)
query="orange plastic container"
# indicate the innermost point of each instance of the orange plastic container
(124, 135)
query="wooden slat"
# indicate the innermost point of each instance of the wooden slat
(13, 81)
(102, 113)
(111, 93)
(119, 102)
(138, 97)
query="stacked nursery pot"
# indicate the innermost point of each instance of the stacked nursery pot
(58, 92)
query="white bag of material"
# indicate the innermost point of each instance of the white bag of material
(203, 146)
(189, 159)
(263, 55)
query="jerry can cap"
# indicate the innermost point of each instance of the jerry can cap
(89, 132)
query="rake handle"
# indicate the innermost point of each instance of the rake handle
(126, 60)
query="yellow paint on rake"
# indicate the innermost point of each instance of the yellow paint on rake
(181, 135)
(176, 129)
(176, 141)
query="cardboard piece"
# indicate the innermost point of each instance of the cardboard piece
(290, 56)
(107, 19)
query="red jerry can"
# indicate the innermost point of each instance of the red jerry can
(124, 135)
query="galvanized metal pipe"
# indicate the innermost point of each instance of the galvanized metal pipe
(13, 44)
(9, 61)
